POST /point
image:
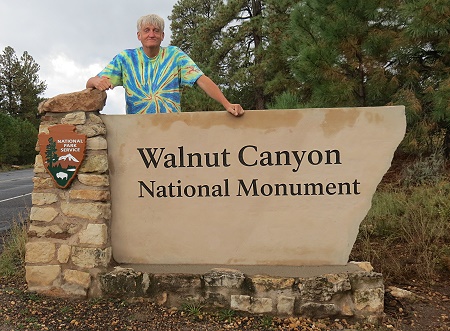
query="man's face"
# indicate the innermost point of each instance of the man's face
(150, 36)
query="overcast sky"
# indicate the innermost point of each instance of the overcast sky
(73, 40)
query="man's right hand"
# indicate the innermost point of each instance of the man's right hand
(99, 83)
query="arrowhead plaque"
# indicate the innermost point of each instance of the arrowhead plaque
(62, 151)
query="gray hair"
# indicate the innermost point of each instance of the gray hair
(152, 19)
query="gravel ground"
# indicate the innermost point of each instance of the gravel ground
(23, 310)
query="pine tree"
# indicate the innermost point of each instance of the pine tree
(50, 152)
(238, 44)
(340, 52)
(424, 73)
(20, 86)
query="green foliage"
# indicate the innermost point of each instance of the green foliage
(340, 52)
(329, 53)
(20, 86)
(266, 322)
(286, 100)
(425, 170)
(416, 219)
(17, 140)
(9, 141)
(50, 152)
(236, 43)
(227, 315)
(375, 53)
(192, 309)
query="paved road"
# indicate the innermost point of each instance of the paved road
(15, 196)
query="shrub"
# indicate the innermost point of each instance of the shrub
(406, 232)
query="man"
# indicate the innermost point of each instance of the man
(153, 76)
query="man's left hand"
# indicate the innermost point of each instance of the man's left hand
(235, 109)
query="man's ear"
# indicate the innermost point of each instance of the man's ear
(162, 36)
(138, 34)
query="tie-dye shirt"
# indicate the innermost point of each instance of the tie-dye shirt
(152, 85)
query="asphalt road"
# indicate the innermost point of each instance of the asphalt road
(15, 196)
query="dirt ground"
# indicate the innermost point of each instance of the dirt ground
(24, 310)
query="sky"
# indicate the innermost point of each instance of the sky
(72, 41)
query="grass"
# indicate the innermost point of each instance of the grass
(12, 258)
(192, 309)
(227, 315)
(406, 233)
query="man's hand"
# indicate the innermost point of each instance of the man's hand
(235, 109)
(100, 83)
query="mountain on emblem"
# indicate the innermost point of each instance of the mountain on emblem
(68, 157)
(62, 152)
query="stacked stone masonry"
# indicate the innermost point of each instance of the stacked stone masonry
(69, 253)
(358, 294)
(68, 237)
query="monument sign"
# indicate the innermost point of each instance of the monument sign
(275, 187)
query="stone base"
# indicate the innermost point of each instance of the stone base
(351, 291)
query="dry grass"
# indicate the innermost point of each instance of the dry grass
(12, 258)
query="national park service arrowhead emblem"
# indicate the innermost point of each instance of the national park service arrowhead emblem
(62, 151)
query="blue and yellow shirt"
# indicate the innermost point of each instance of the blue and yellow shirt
(152, 85)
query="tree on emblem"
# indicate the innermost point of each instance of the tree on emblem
(50, 152)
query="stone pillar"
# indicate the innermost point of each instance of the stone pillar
(68, 238)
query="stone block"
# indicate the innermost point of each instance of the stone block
(63, 253)
(261, 305)
(97, 143)
(94, 234)
(44, 231)
(92, 130)
(222, 277)
(74, 290)
(40, 199)
(124, 282)
(251, 304)
(241, 302)
(93, 180)
(46, 214)
(86, 100)
(90, 211)
(77, 277)
(95, 163)
(95, 195)
(75, 118)
(365, 266)
(266, 283)
(91, 257)
(39, 252)
(37, 276)
(177, 282)
(323, 288)
(43, 183)
(285, 305)
(94, 118)
(38, 165)
(369, 301)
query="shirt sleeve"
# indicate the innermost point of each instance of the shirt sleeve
(189, 72)
(114, 70)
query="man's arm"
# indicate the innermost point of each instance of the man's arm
(212, 90)
(100, 83)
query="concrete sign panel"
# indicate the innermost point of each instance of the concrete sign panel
(274, 187)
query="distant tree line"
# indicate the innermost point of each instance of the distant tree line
(20, 90)
(325, 53)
